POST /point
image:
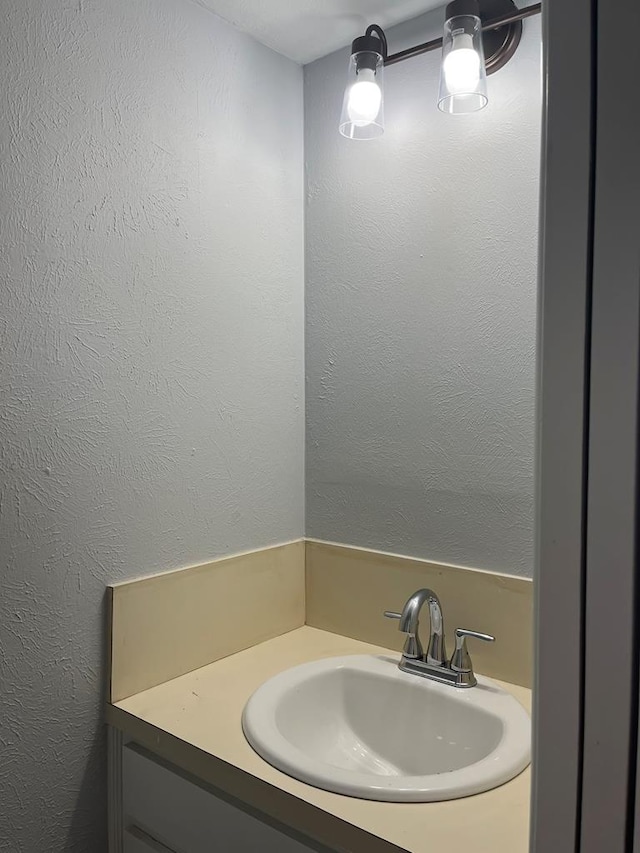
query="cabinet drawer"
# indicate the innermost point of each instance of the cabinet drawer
(188, 819)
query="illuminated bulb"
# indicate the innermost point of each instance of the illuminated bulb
(362, 115)
(365, 99)
(461, 66)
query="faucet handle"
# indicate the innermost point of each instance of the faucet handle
(461, 660)
(412, 646)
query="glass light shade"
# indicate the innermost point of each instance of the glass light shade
(463, 77)
(363, 105)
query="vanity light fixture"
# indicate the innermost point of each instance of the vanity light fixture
(363, 105)
(463, 76)
(480, 36)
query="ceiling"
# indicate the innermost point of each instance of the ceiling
(304, 30)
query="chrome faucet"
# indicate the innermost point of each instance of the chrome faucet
(458, 672)
(409, 622)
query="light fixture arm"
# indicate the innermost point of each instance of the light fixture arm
(376, 29)
(436, 44)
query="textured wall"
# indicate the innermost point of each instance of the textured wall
(421, 282)
(151, 320)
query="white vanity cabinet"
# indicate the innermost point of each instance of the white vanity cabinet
(164, 812)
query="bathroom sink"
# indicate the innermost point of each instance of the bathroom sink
(359, 726)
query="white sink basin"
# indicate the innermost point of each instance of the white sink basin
(358, 726)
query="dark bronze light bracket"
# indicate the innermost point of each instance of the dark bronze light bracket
(501, 34)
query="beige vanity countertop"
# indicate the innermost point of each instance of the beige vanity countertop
(194, 722)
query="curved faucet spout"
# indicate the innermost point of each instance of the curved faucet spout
(409, 618)
(434, 664)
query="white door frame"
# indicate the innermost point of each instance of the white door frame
(586, 702)
(610, 688)
(563, 322)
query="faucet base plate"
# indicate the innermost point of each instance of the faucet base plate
(437, 673)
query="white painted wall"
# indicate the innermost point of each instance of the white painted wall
(151, 322)
(421, 313)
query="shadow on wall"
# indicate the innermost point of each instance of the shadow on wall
(88, 825)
